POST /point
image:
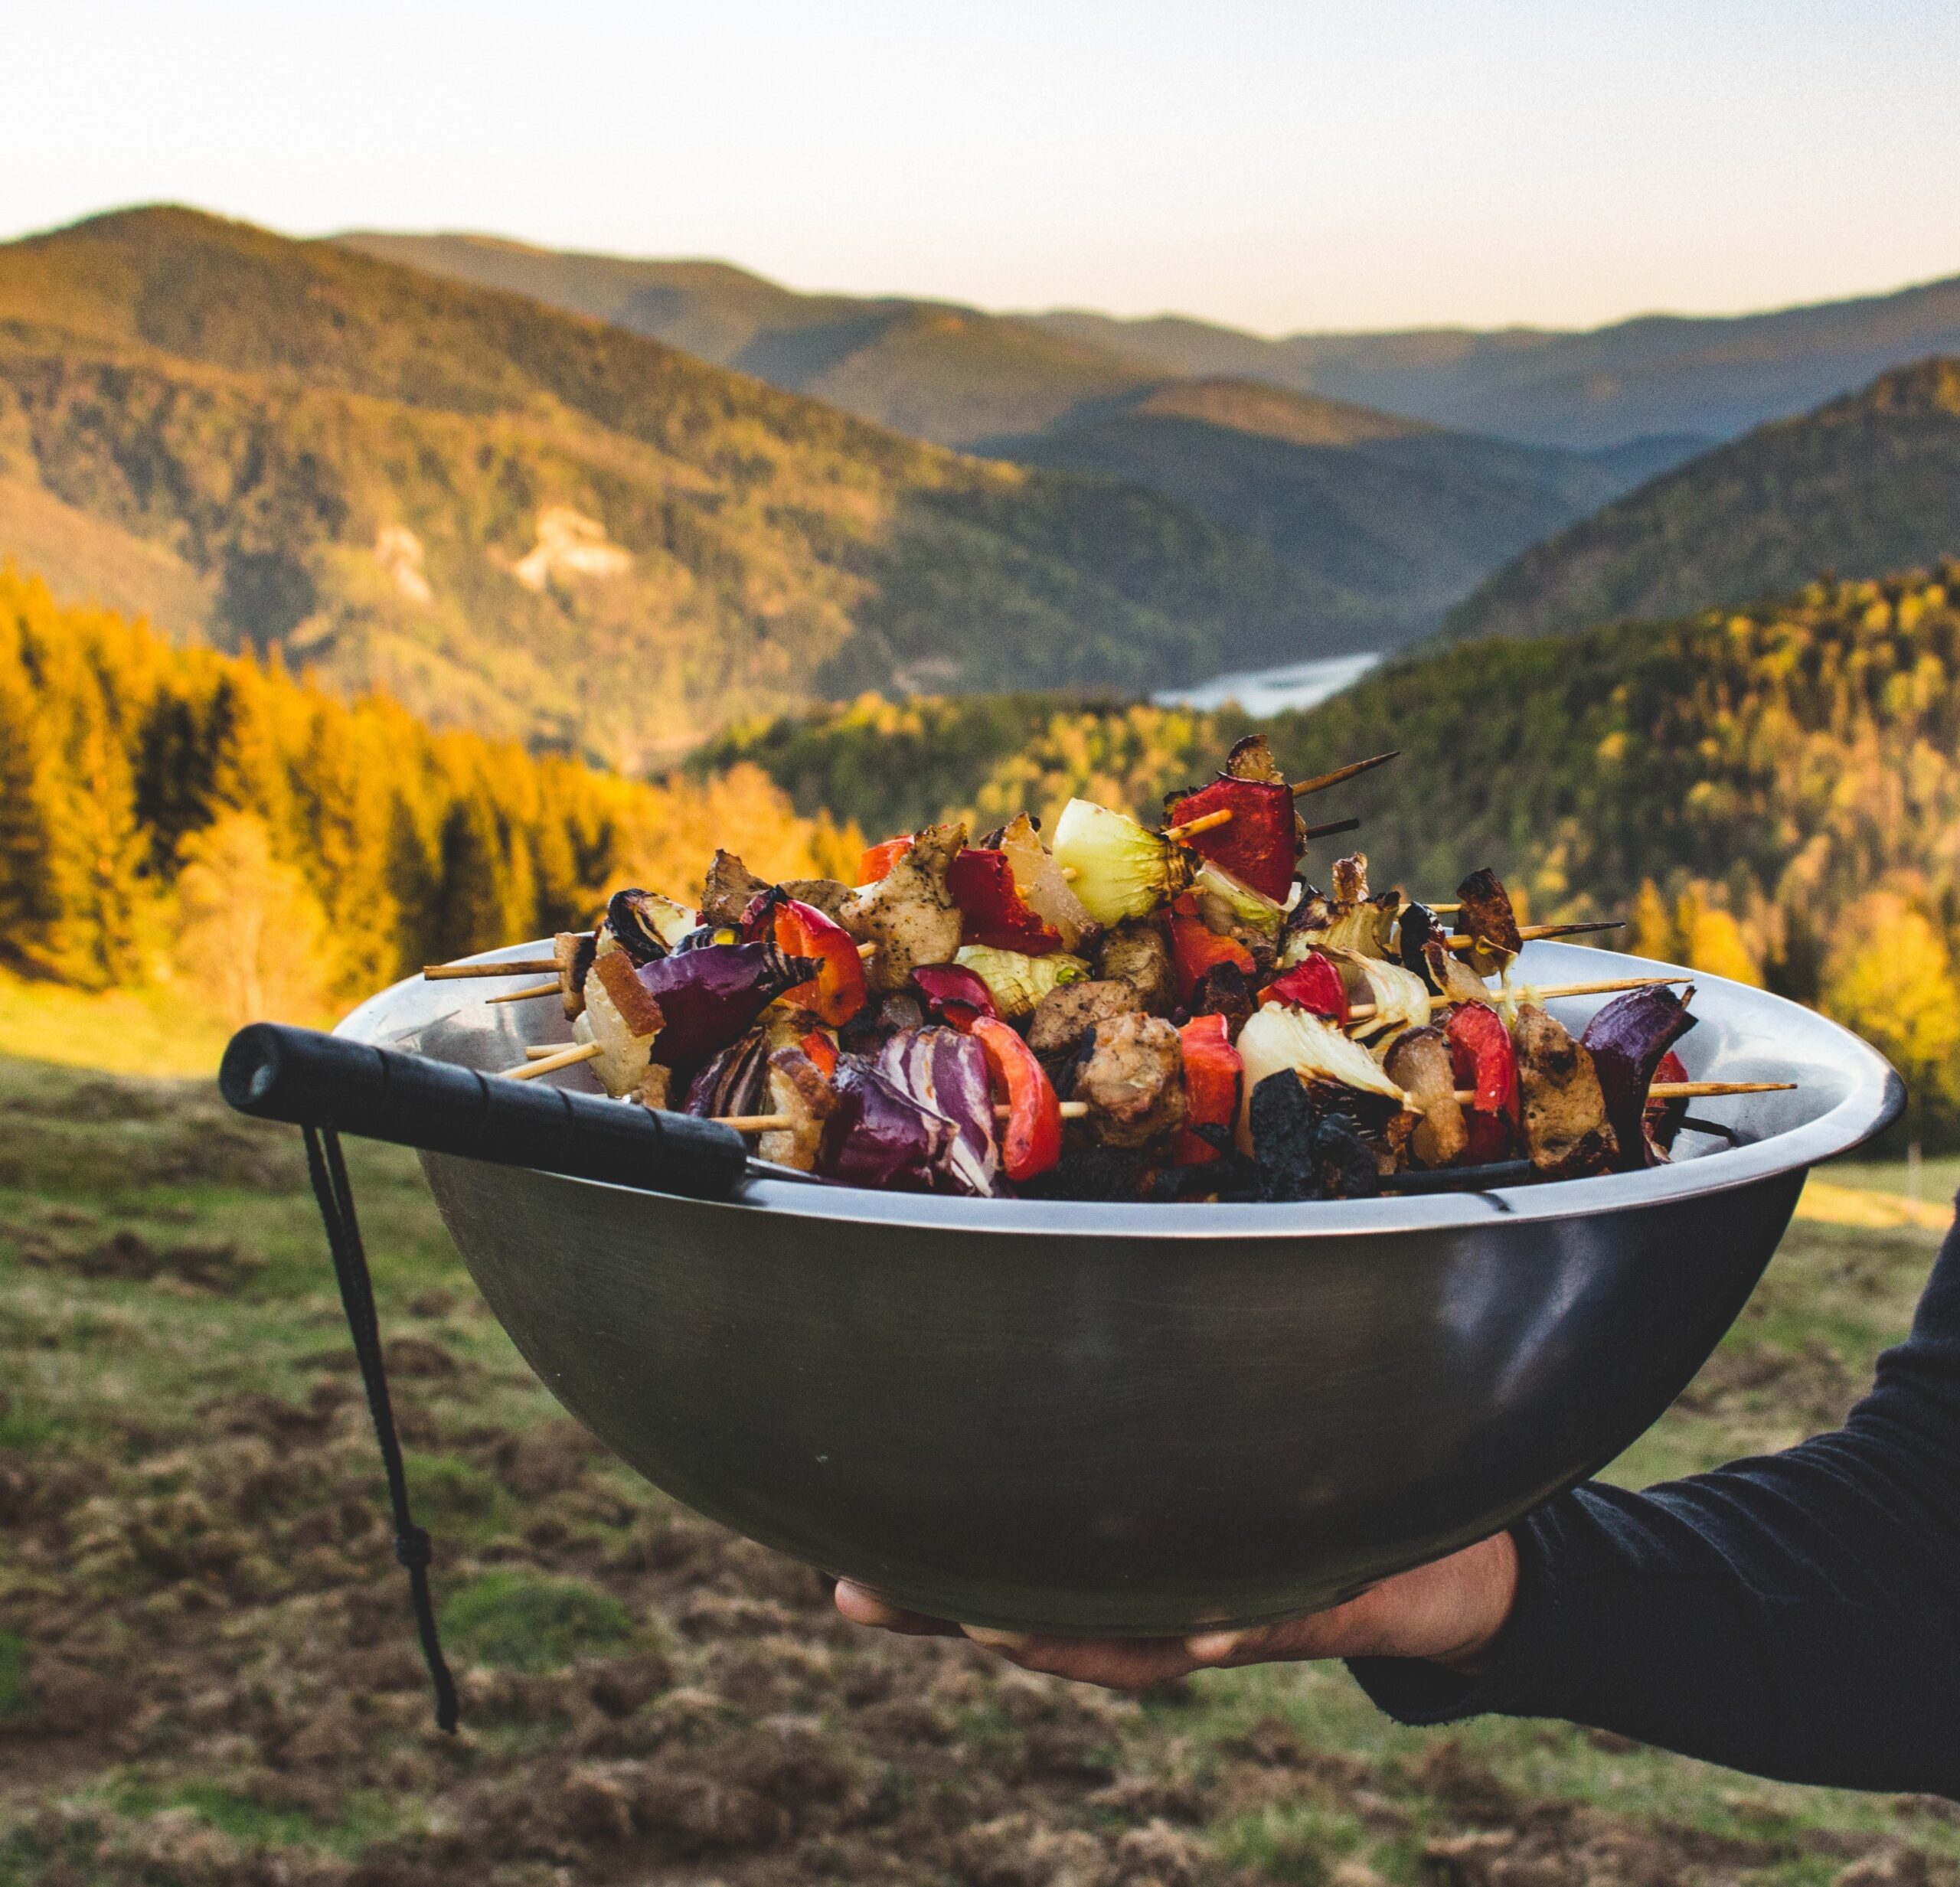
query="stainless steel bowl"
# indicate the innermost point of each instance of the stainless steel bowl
(1136, 1418)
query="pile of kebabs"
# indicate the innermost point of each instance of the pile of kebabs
(1131, 1013)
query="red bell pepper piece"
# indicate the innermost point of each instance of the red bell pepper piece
(954, 995)
(1256, 844)
(1482, 1059)
(982, 885)
(879, 861)
(821, 1050)
(1032, 1140)
(1196, 948)
(1213, 1072)
(1314, 984)
(837, 991)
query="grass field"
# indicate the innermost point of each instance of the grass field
(206, 1674)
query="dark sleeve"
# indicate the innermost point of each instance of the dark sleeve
(1796, 1616)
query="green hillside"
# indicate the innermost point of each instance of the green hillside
(1655, 375)
(540, 526)
(949, 374)
(1867, 484)
(1773, 792)
(1406, 514)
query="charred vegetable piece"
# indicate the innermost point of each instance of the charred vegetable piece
(1305, 1147)
(1452, 976)
(1132, 1079)
(837, 991)
(1314, 984)
(946, 1073)
(1280, 1036)
(1420, 1064)
(910, 913)
(1225, 990)
(710, 997)
(1482, 1060)
(954, 995)
(1019, 983)
(982, 884)
(877, 1135)
(1563, 1111)
(646, 925)
(731, 888)
(1487, 920)
(573, 954)
(1212, 1072)
(828, 895)
(1662, 1119)
(623, 1017)
(821, 1050)
(1121, 870)
(1256, 844)
(880, 859)
(1039, 881)
(1413, 930)
(1136, 953)
(734, 1081)
(1626, 1039)
(799, 1089)
(1227, 904)
(1093, 1173)
(1350, 879)
(1032, 1142)
(1196, 948)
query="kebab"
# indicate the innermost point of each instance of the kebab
(1164, 1013)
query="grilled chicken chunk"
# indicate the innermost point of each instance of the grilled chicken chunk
(797, 1088)
(1486, 919)
(1565, 1131)
(1136, 953)
(910, 913)
(1067, 1012)
(1132, 1078)
(731, 888)
(622, 1019)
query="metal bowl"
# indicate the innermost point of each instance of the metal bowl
(1141, 1418)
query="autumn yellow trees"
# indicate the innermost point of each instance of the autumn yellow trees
(181, 814)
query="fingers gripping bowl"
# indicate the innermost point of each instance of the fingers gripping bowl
(1136, 1418)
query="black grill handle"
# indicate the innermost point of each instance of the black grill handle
(280, 1073)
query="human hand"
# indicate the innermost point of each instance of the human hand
(1448, 1612)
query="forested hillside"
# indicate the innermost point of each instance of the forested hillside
(1772, 792)
(1868, 484)
(196, 818)
(532, 524)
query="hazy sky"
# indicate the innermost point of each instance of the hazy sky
(1279, 166)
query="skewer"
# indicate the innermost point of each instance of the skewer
(521, 966)
(525, 995)
(1208, 822)
(557, 1058)
(1683, 1090)
(1332, 827)
(1361, 1012)
(1340, 773)
(1528, 932)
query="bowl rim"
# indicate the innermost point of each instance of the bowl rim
(1874, 1097)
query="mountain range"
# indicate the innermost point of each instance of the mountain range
(1866, 484)
(547, 528)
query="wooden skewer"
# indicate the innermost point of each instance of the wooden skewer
(1684, 1090)
(1207, 823)
(1332, 827)
(521, 966)
(526, 995)
(1340, 773)
(1361, 1012)
(558, 1058)
(1528, 932)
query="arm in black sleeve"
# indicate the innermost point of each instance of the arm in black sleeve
(1796, 1616)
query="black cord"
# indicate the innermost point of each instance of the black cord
(356, 1295)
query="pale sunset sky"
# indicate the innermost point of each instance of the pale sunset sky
(1278, 166)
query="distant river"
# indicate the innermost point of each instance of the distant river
(1271, 690)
